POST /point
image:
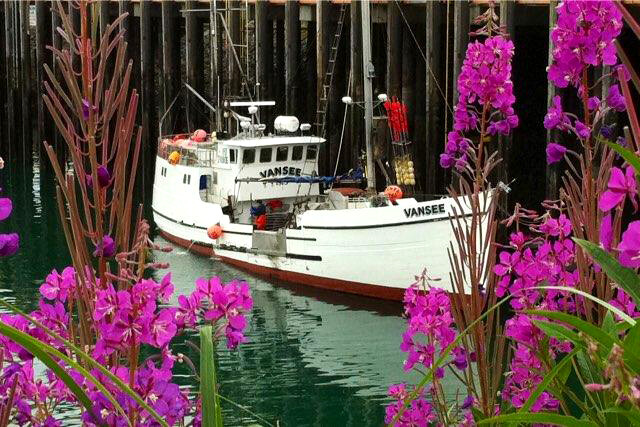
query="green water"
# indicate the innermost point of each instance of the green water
(313, 358)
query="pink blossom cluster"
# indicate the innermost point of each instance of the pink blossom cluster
(583, 37)
(430, 327)
(544, 260)
(430, 330)
(418, 414)
(485, 98)
(125, 320)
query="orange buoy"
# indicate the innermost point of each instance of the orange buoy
(214, 232)
(199, 136)
(174, 158)
(261, 222)
(393, 193)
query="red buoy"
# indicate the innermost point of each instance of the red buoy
(214, 232)
(261, 222)
(393, 193)
(199, 136)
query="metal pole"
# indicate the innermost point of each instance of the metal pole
(367, 69)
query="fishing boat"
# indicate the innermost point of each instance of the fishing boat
(253, 198)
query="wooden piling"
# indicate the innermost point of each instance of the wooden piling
(169, 67)
(3, 78)
(507, 20)
(194, 62)
(292, 53)
(323, 32)
(394, 50)
(10, 75)
(280, 73)
(551, 170)
(146, 66)
(43, 39)
(264, 35)
(433, 99)
(25, 81)
(355, 50)
(460, 40)
(309, 95)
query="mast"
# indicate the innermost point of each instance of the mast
(367, 69)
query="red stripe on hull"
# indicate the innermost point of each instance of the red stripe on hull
(188, 244)
(382, 292)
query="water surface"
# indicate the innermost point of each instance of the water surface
(314, 358)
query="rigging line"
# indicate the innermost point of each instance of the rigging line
(415, 40)
(344, 123)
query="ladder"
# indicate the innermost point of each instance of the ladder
(239, 9)
(323, 102)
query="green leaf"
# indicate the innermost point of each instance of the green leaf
(602, 338)
(624, 316)
(38, 349)
(628, 155)
(623, 276)
(558, 331)
(632, 340)
(538, 417)
(548, 378)
(477, 414)
(632, 415)
(211, 414)
(80, 354)
(609, 324)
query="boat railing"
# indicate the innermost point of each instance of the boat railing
(183, 151)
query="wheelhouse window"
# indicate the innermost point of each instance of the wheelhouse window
(265, 155)
(233, 155)
(248, 156)
(282, 154)
(297, 152)
(312, 152)
(224, 156)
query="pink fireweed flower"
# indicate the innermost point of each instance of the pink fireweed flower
(418, 413)
(484, 81)
(629, 247)
(583, 37)
(106, 247)
(606, 233)
(555, 152)
(620, 186)
(615, 99)
(9, 244)
(556, 118)
(59, 285)
(6, 206)
(624, 302)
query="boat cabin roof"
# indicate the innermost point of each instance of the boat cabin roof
(268, 141)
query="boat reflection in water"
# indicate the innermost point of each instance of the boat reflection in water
(313, 357)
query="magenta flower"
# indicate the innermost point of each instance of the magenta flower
(9, 244)
(620, 186)
(6, 206)
(105, 248)
(606, 233)
(555, 117)
(104, 176)
(59, 286)
(86, 109)
(555, 152)
(583, 37)
(162, 329)
(593, 103)
(615, 100)
(582, 130)
(629, 246)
